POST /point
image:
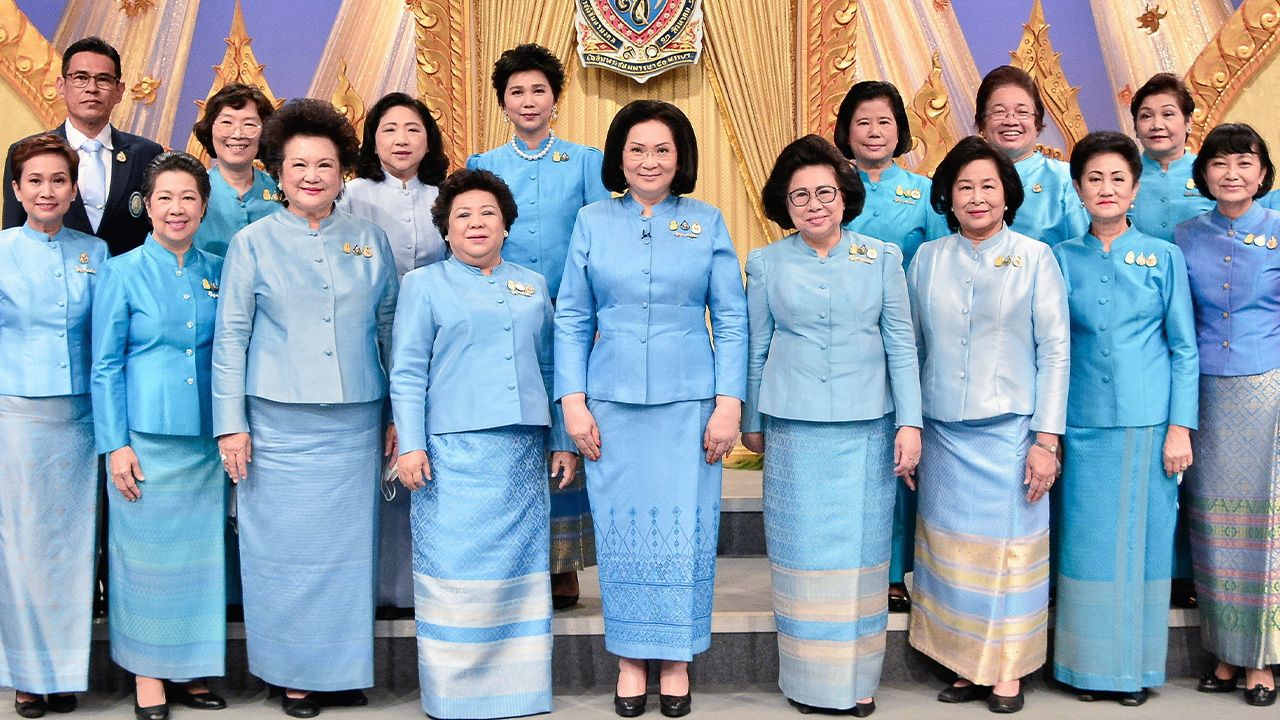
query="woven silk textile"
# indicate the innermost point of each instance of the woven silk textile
(1116, 512)
(48, 520)
(1235, 517)
(482, 591)
(982, 552)
(167, 604)
(828, 507)
(306, 519)
(656, 504)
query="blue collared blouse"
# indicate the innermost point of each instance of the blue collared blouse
(1271, 200)
(897, 211)
(831, 337)
(993, 329)
(549, 193)
(403, 211)
(645, 285)
(153, 344)
(1234, 268)
(229, 211)
(304, 316)
(472, 351)
(46, 295)
(1166, 197)
(1134, 361)
(1051, 211)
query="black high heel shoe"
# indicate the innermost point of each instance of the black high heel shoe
(30, 709)
(151, 712)
(632, 706)
(676, 705)
(207, 700)
(62, 702)
(303, 707)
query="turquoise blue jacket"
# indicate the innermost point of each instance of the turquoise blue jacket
(304, 315)
(549, 192)
(897, 211)
(645, 285)
(831, 337)
(46, 296)
(153, 344)
(1133, 333)
(1166, 197)
(472, 352)
(229, 211)
(1051, 211)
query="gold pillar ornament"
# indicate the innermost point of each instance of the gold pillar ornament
(930, 112)
(347, 100)
(239, 65)
(30, 65)
(827, 65)
(443, 38)
(145, 89)
(133, 8)
(1036, 56)
(1241, 48)
(1150, 19)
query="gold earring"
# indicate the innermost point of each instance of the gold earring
(505, 120)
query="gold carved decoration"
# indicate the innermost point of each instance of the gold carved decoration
(1226, 64)
(239, 65)
(829, 59)
(928, 112)
(144, 90)
(347, 100)
(1035, 55)
(941, 5)
(1150, 20)
(30, 65)
(440, 27)
(133, 8)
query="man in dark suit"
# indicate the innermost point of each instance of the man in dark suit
(111, 162)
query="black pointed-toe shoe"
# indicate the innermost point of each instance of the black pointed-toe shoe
(1211, 683)
(627, 707)
(1133, 699)
(62, 702)
(207, 700)
(30, 709)
(676, 705)
(303, 707)
(340, 698)
(963, 693)
(1003, 704)
(1259, 696)
(151, 712)
(863, 709)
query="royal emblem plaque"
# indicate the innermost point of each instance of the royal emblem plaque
(638, 38)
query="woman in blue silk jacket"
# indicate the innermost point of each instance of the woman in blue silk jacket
(831, 369)
(153, 321)
(650, 404)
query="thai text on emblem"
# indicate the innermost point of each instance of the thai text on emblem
(638, 38)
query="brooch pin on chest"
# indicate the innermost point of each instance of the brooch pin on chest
(84, 264)
(684, 228)
(1008, 260)
(1141, 259)
(863, 254)
(358, 250)
(516, 287)
(1261, 241)
(210, 287)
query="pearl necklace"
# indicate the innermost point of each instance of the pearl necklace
(551, 140)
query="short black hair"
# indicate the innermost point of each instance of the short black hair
(1161, 83)
(461, 181)
(235, 96)
(809, 151)
(92, 44)
(968, 150)
(529, 56)
(312, 118)
(1102, 142)
(174, 161)
(1003, 76)
(636, 112)
(1230, 139)
(434, 164)
(872, 90)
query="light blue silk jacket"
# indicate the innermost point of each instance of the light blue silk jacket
(1133, 333)
(897, 211)
(403, 211)
(831, 338)
(645, 285)
(229, 212)
(1051, 211)
(153, 344)
(304, 315)
(1166, 197)
(993, 329)
(46, 296)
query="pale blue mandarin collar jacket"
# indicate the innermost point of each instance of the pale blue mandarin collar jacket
(229, 211)
(1133, 333)
(1166, 197)
(403, 211)
(831, 338)
(993, 329)
(304, 315)
(1051, 211)
(897, 211)
(471, 352)
(1235, 284)
(153, 344)
(46, 295)
(646, 289)
(549, 192)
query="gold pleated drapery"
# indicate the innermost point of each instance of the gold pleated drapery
(154, 43)
(1133, 54)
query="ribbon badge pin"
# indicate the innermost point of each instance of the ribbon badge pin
(210, 287)
(519, 288)
(685, 229)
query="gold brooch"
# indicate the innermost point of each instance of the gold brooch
(210, 287)
(1037, 188)
(1272, 243)
(1007, 260)
(84, 258)
(120, 156)
(684, 228)
(1191, 184)
(518, 288)
(863, 254)
(558, 156)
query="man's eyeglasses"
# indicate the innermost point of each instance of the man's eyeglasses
(81, 80)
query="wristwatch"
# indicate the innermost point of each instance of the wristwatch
(1053, 449)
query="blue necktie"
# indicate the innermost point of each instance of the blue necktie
(93, 181)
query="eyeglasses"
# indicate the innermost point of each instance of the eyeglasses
(661, 154)
(247, 128)
(1000, 114)
(81, 80)
(801, 196)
